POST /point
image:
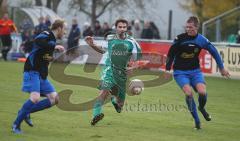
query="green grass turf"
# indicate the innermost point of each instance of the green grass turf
(139, 121)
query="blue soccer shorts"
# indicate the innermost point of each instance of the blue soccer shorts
(32, 82)
(191, 77)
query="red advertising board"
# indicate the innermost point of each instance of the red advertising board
(156, 53)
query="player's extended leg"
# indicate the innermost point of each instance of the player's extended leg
(46, 89)
(184, 81)
(24, 111)
(202, 99)
(120, 99)
(117, 106)
(191, 105)
(97, 107)
(117, 98)
(51, 100)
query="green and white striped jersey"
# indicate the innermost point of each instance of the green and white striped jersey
(120, 51)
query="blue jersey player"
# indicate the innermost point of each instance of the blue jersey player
(35, 74)
(184, 54)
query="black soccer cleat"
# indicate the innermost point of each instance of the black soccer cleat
(205, 114)
(28, 120)
(117, 107)
(97, 118)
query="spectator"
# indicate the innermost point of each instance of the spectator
(7, 26)
(41, 26)
(238, 37)
(129, 28)
(74, 36)
(98, 29)
(136, 30)
(232, 38)
(87, 30)
(106, 28)
(147, 32)
(155, 30)
(48, 21)
(26, 25)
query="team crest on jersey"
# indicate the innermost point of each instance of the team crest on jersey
(187, 55)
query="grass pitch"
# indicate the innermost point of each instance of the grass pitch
(158, 114)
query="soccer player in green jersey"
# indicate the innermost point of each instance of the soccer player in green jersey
(120, 49)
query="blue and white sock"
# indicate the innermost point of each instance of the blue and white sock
(192, 108)
(202, 99)
(25, 110)
(41, 105)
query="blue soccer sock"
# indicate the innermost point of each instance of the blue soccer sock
(41, 105)
(97, 107)
(192, 108)
(202, 99)
(26, 108)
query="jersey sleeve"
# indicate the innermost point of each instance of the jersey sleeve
(213, 51)
(171, 54)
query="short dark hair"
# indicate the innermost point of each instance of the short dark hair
(195, 20)
(57, 23)
(121, 21)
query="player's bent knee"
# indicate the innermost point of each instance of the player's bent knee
(187, 90)
(53, 97)
(56, 99)
(35, 100)
(201, 89)
(35, 97)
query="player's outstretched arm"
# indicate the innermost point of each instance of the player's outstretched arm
(89, 41)
(169, 60)
(213, 51)
(136, 65)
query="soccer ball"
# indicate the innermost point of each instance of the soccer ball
(136, 86)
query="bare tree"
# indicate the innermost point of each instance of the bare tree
(38, 2)
(53, 4)
(199, 7)
(95, 8)
(3, 7)
(49, 4)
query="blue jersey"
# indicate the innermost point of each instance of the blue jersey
(185, 51)
(41, 54)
